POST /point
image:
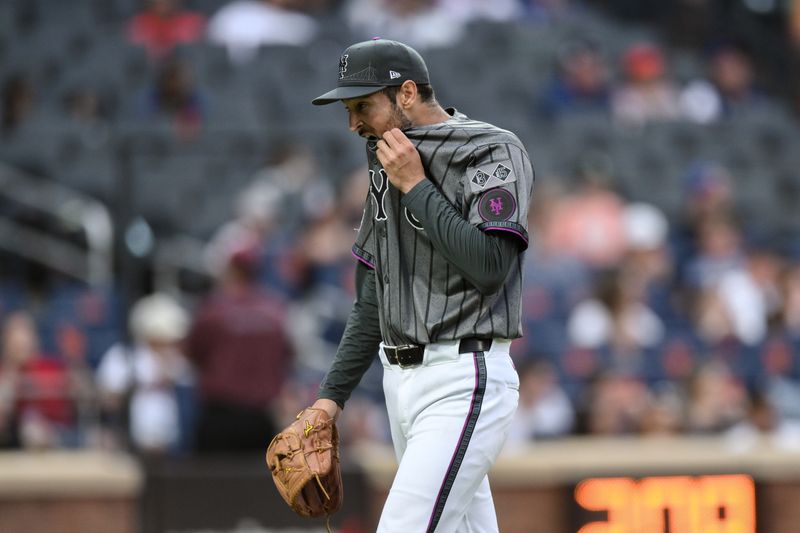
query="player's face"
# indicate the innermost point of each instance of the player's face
(372, 115)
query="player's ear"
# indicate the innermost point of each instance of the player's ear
(407, 94)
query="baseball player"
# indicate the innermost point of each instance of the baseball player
(440, 252)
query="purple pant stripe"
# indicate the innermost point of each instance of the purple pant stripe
(463, 441)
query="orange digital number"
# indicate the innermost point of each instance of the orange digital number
(706, 504)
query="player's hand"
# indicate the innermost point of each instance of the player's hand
(400, 160)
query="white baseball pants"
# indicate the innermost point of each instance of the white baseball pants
(449, 418)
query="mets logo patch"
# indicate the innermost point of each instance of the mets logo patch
(497, 205)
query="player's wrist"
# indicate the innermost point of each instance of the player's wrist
(411, 183)
(329, 406)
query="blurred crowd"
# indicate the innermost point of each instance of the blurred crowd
(638, 320)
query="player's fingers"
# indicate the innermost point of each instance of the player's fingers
(395, 138)
(384, 153)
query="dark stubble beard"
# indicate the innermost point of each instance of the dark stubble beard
(399, 119)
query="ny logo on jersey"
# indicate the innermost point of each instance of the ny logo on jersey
(343, 66)
(414, 221)
(378, 188)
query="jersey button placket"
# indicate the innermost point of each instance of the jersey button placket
(382, 235)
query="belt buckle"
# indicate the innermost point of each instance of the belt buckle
(402, 349)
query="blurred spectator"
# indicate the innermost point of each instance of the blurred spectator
(709, 191)
(544, 409)
(733, 78)
(289, 172)
(581, 83)
(708, 194)
(327, 238)
(647, 258)
(36, 407)
(321, 311)
(717, 401)
(730, 89)
(749, 295)
(244, 25)
(17, 102)
(258, 209)
(647, 94)
(763, 425)
(719, 251)
(147, 384)
(239, 345)
(418, 23)
(176, 97)
(765, 266)
(788, 316)
(271, 210)
(553, 282)
(665, 411)
(731, 287)
(72, 345)
(588, 223)
(163, 25)
(614, 405)
(617, 317)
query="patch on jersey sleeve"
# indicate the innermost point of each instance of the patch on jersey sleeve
(497, 205)
(480, 178)
(502, 172)
(490, 175)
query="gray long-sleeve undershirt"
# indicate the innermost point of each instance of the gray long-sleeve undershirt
(484, 259)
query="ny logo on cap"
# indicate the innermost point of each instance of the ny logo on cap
(343, 66)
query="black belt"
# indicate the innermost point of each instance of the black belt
(411, 354)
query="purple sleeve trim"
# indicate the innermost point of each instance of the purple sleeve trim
(515, 232)
(367, 263)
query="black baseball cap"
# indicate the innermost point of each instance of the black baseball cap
(370, 66)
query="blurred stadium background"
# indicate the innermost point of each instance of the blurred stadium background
(175, 227)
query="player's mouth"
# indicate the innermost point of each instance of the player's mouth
(368, 135)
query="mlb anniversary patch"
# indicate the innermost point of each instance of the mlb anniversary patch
(497, 205)
(490, 175)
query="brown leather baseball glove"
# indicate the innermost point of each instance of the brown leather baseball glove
(304, 460)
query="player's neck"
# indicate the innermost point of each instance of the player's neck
(428, 115)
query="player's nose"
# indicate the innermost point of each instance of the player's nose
(354, 122)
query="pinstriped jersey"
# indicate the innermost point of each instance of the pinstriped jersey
(485, 173)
